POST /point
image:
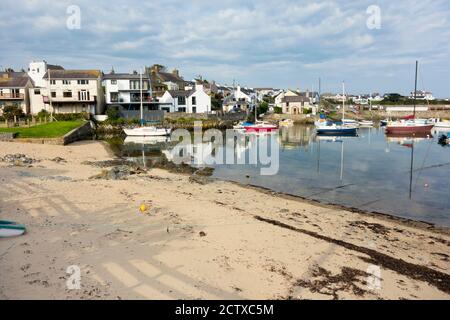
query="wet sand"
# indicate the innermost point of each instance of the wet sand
(217, 240)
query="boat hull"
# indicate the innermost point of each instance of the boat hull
(142, 132)
(336, 131)
(260, 129)
(445, 125)
(11, 229)
(409, 129)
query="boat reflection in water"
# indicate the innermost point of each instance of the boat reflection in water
(409, 141)
(333, 139)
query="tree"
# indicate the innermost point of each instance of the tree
(393, 97)
(43, 114)
(10, 111)
(113, 112)
(263, 107)
(216, 102)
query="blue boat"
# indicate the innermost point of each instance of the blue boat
(336, 130)
(324, 127)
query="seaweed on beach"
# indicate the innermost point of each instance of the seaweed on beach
(324, 282)
(375, 227)
(436, 278)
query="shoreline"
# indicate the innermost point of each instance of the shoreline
(219, 240)
(390, 217)
(381, 215)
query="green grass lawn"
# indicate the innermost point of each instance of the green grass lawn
(48, 130)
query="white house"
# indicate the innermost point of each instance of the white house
(244, 94)
(189, 101)
(280, 97)
(422, 95)
(125, 89)
(361, 100)
(69, 91)
(38, 69)
(295, 104)
(14, 88)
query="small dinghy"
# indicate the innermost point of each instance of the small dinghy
(11, 229)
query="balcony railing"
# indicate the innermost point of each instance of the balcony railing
(70, 99)
(12, 96)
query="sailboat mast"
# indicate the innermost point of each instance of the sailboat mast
(343, 100)
(320, 89)
(142, 105)
(415, 89)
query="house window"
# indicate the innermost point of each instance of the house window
(113, 81)
(66, 82)
(67, 94)
(53, 94)
(194, 101)
(181, 109)
(114, 97)
(181, 101)
(37, 91)
(52, 81)
(83, 95)
(194, 109)
(134, 84)
(83, 82)
(38, 70)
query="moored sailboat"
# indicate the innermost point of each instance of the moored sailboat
(332, 128)
(145, 131)
(410, 125)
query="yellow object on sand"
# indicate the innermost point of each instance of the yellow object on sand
(143, 208)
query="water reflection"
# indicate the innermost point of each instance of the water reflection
(400, 175)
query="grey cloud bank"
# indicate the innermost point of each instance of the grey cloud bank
(259, 43)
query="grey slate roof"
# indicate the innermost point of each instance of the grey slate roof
(166, 77)
(295, 99)
(73, 74)
(54, 67)
(124, 76)
(181, 93)
(14, 79)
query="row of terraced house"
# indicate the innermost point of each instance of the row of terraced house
(58, 90)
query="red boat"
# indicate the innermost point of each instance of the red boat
(402, 127)
(410, 124)
(261, 127)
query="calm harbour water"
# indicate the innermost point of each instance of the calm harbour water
(370, 172)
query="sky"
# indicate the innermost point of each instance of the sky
(257, 43)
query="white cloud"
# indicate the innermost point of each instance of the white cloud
(257, 40)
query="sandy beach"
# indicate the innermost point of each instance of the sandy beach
(217, 240)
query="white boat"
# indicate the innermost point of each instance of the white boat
(350, 122)
(146, 140)
(150, 131)
(365, 123)
(442, 124)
